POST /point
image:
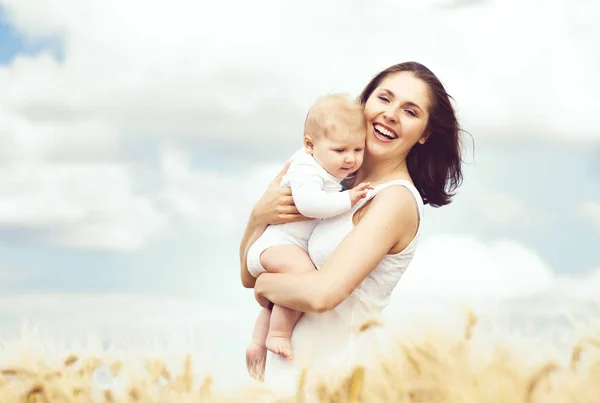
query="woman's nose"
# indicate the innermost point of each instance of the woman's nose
(390, 116)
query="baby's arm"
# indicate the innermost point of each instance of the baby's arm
(312, 201)
(306, 180)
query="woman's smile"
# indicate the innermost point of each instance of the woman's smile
(384, 133)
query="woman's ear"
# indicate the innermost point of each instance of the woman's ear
(424, 137)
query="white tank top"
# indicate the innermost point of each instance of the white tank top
(375, 290)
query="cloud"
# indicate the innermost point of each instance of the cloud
(211, 198)
(580, 287)
(176, 81)
(77, 204)
(500, 209)
(513, 291)
(89, 141)
(14, 278)
(53, 139)
(465, 267)
(591, 212)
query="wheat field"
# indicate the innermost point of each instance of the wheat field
(438, 368)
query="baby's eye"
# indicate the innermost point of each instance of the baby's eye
(339, 150)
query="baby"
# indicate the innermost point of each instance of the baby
(334, 142)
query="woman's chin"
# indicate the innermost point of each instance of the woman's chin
(377, 150)
(380, 151)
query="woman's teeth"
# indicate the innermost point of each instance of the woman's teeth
(384, 132)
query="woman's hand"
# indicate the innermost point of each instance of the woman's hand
(276, 206)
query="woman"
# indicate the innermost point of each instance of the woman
(412, 158)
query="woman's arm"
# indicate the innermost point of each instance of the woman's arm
(389, 220)
(276, 206)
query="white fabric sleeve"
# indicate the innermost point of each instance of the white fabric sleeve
(307, 182)
(312, 201)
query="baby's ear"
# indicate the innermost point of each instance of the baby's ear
(308, 144)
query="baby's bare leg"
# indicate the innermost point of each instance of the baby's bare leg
(256, 353)
(283, 321)
(284, 259)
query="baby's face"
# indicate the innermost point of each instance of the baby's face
(340, 153)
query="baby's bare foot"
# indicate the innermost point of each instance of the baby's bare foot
(280, 345)
(256, 358)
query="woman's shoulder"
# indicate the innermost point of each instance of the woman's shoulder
(398, 196)
(399, 202)
(401, 193)
(400, 206)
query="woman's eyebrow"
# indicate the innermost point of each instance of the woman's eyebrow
(410, 103)
(390, 93)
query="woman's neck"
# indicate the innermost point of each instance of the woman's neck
(381, 172)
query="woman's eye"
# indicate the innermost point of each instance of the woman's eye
(383, 98)
(411, 112)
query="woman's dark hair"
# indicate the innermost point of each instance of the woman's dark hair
(435, 167)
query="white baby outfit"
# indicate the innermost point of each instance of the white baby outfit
(316, 193)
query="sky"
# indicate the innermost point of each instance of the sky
(136, 136)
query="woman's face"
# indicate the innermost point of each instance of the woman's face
(397, 113)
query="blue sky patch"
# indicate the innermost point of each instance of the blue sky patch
(13, 43)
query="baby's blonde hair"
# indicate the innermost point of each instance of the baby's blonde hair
(331, 112)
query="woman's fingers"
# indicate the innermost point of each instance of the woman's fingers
(287, 209)
(285, 192)
(292, 217)
(287, 200)
(285, 197)
(281, 173)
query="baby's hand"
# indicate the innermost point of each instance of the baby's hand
(359, 192)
